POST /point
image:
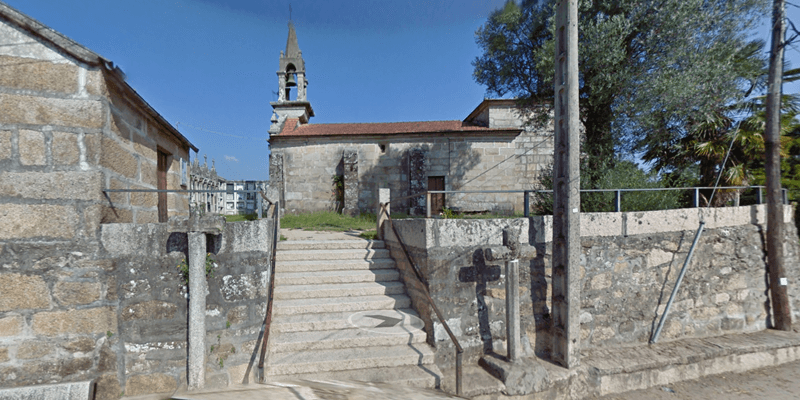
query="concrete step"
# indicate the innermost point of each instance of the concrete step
(422, 376)
(320, 321)
(343, 338)
(338, 265)
(340, 304)
(338, 290)
(345, 276)
(348, 254)
(330, 244)
(304, 362)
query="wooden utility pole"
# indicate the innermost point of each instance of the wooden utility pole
(781, 312)
(566, 191)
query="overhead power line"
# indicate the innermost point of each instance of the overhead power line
(178, 124)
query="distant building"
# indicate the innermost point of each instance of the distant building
(242, 203)
(231, 202)
(491, 149)
(201, 177)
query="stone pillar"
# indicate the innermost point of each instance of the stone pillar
(566, 191)
(282, 87)
(276, 179)
(383, 198)
(197, 310)
(301, 86)
(513, 329)
(417, 181)
(350, 159)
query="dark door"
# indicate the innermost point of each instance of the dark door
(162, 185)
(437, 199)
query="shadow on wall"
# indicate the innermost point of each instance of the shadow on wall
(393, 169)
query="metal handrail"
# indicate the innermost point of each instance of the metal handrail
(617, 192)
(268, 317)
(426, 292)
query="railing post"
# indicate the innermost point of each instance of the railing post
(527, 202)
(428, 204)
(785, 196)
(760, 196)
(696, 197)
(617, 201)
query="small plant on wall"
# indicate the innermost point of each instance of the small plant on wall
(183, 267)
(337, 192)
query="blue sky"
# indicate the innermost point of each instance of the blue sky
(208, 66)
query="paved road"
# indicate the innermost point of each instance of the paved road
(781, 382)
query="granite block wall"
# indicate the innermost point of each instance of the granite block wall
(629, 265)
(116, 311)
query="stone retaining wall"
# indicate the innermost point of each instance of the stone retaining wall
(116, 310)
(629, 265)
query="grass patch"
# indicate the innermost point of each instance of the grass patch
(328, 221)
(369, 235)
(241, 217)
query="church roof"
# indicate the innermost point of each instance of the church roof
(293, 128)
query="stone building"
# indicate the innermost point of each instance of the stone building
(491, 149)
(232, 202)
(71, 127)
(201, 177)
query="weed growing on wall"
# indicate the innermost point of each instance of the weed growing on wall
(183, 267)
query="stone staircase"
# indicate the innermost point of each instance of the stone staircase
(341, 312)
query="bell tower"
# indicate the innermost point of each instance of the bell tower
(292, 83)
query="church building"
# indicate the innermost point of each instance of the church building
(341, 166)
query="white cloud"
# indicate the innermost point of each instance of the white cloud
(231, 158)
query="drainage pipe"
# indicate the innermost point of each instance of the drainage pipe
(678, 282)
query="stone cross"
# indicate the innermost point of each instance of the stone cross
(512, 251)
(196, 228)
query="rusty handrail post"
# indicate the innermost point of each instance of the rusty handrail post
(426, 292)
(268, 318)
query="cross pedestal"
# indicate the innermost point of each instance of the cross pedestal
(197, 228)
(511, 252)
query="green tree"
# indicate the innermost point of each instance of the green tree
(647, 66)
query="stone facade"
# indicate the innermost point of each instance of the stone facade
(201, 177)
(492, 149)
(629, 264)
(467, 155)
(70, 128)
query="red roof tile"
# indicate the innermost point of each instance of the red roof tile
(292, 128)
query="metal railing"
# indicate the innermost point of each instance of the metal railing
(426, 292)
(268, 318)
(617, 195)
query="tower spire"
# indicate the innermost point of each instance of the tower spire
(291, 74)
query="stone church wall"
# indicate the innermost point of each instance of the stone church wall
(467, 162)
(629, 264)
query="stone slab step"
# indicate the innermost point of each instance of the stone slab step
(338, 290)
(320, 321)
(338, 265)
(422, 376)
(304, 362)
(346, 276)
(330, 244)
(349, 254)
(345, 338)
(340, 304)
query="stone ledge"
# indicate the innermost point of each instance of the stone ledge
(61, 391)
